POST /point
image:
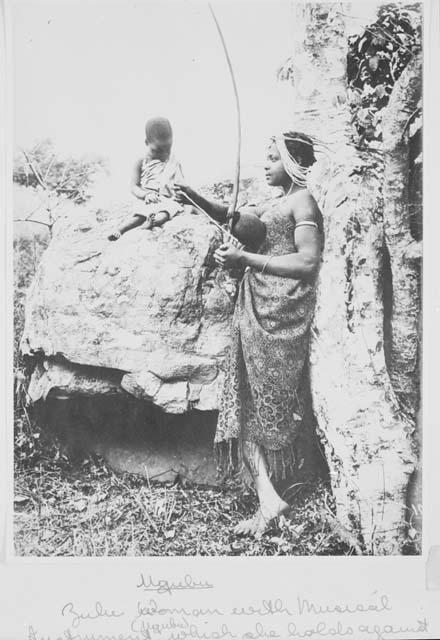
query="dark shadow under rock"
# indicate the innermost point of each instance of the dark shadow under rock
(137, 437)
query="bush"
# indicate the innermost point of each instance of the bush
(375, 61)
(41, 167)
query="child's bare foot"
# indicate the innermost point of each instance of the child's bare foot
(261, 521)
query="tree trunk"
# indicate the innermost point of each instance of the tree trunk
(368, 441)
(404, 250)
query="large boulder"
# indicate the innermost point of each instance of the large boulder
(148, 314)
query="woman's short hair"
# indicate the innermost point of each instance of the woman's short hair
(300, 146)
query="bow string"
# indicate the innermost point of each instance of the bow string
(236, 182)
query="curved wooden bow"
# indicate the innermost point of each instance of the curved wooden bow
(236, 183)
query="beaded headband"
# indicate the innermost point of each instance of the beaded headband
(297, 173)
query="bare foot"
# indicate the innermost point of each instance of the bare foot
(257, 525)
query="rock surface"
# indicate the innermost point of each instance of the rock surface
(151, 308)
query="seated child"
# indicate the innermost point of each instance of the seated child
(153, 180)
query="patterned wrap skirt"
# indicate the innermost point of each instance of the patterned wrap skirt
(261, 398)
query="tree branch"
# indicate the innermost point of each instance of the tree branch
(45, 224)
(49, 166)
(34, 170)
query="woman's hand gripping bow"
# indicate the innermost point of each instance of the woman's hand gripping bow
(228, 256)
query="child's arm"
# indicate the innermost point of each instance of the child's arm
(134, 222)
(136, 179)
(147, 195)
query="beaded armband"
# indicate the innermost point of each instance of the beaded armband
(307, 223)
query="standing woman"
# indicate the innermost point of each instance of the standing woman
(260, 410)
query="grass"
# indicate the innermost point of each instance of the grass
(68, 507)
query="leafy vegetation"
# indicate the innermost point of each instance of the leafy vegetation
(375, 61)
(42, 168)
(221, 191)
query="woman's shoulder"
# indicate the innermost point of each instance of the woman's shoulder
(303, 206)
(304, 210)
(300, 197)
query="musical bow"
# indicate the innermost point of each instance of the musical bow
(236, 182)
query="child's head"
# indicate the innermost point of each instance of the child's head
(159, 138)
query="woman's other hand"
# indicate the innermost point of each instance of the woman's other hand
(181, 190)
(229, 257)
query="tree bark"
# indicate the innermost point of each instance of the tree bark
(404, 250)
(368, 440)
